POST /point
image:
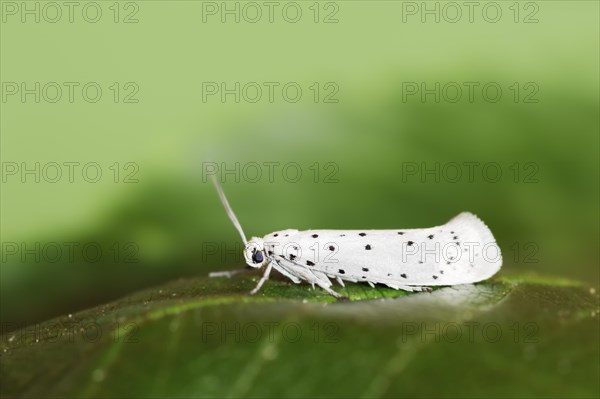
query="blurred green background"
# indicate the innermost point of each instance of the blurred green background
(161, 220)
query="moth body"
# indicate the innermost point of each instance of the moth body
(461, 251)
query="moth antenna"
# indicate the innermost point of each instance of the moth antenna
(228, 209)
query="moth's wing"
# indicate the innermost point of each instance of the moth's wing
(480, 256)
(459, 252)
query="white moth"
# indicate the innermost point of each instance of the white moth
(461, 251)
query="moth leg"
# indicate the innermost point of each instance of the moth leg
(262, 280)
(333, 293)
(299, 271)
(330, 291)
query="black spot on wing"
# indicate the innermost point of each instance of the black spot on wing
(368, 247)
(315, 235)
(430, 236)
(400, 233)
(365, 269)
(331, 248)
(362, 234)
(434, 277)
(309, 263)
(341, 271)
(410, 243)
(403, 275)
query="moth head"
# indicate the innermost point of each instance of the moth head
(254, 253)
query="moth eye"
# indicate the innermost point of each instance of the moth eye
(257, 257)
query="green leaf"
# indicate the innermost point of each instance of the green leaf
(512, 336)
